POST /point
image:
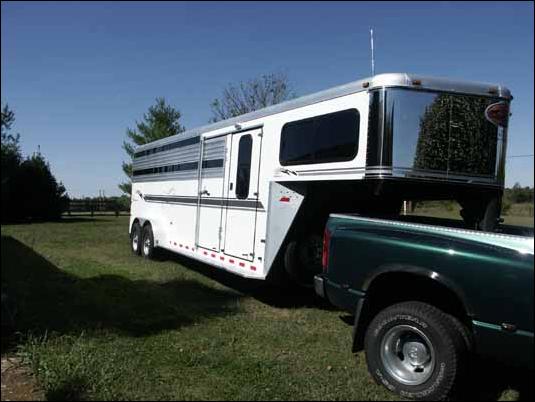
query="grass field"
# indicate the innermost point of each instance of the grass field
(95, 322)
(517, 215)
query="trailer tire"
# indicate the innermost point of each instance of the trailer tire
(135, 239)
(302, 259)
(416, 351)
(491, 216)
(481, 215)
(147, 246)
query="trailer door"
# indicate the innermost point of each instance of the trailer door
(242, 194)
(210, 201)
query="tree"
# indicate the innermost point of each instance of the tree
(29, 190)
(39, 195)
(518, 194)
(251, 95)
(161, 120)
(11, 159)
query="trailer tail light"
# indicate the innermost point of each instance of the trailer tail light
(325, 255)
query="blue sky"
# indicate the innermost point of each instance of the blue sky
(78, 74)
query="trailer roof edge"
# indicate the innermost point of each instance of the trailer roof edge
(366, 84)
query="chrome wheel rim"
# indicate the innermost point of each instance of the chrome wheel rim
(408, 355)
(146, 246)
(135, 242)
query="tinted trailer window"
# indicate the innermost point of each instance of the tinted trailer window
(440, 133)
(331, 137)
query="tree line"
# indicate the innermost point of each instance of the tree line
(29, 189)
(518, 194)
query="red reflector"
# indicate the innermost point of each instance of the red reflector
(205, 253)
(222, 258)
(498, 114)
(325, 255)
(285, 199)
(253, 268)
(242, 264)
(213, 255)
(231, 261)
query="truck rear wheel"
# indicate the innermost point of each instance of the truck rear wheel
(416, 351)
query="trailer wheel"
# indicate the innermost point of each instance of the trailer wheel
(416, 351)
(491, 215)
(302, 259)
(481, 215)
(147, 247)
(135, 238)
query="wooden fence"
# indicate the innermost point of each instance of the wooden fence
(95, 207)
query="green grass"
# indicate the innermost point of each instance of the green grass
(517, 215)
(97, 323)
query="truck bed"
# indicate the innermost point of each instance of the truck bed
(516, 237)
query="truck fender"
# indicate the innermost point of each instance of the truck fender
(409, 269)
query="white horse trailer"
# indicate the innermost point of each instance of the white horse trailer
(252, 193)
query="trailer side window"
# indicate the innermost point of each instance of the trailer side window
(243, 171)
(331, 137)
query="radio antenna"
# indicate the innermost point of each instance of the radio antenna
(373, 58)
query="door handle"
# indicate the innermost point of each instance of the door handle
(204, 192)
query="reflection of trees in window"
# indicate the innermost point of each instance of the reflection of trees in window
(473, 138)
(432, 146)
(455, 136)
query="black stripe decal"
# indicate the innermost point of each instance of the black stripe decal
(222, 202)
(181, 167)
(168, 147)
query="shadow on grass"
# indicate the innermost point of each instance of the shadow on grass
(74, 389)
(291, 296)
(38, 297)
(488, 380)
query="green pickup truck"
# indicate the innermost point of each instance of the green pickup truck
(426, 298)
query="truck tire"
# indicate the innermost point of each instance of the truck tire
(416, 351)
(147, 247)
(135, 239)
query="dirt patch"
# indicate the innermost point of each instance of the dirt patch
(17, 382)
